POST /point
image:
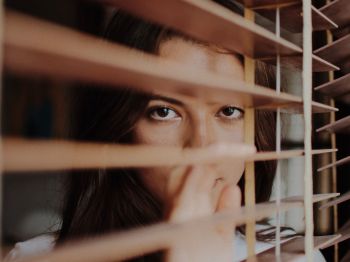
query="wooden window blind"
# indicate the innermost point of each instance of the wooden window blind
(31, 46)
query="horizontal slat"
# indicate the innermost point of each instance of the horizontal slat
(337, 52)
(315, 198)
(31, 47)
(339, 126)
(318, 64)
(322, 108)
(320, 21)
(337, 163)
(294, 250)
(27, 155)
(341, 199)
(211, 22)
(336, 87)
(121, 246)
(40, 155)
(206, 20)
(136, 242)
(268, 4)
(324, 151)
(344, 233)
(296, 108)
(291, 18)
(338, 11)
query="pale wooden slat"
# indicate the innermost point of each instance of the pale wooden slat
(2, 3)
(339, 126)
(337, 87)
(249, 138)
(291, 18)
(206, 20)
(333, 156)
(307, 98)
(338, 11)
(321, 22)
(121, 246)
(341, 199)
(274, 155)
(296, 108)
(337, 163)
(315, 198)
(135, 242)
(336, 52)
(318, 64)
(238, 35)
(268, 4)
(324, 151)
(321, 242)
(344, 233)
(31, 48)
(30, 155)
(293, 250)
(322, 108)
(44, 155)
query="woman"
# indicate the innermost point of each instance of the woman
(102, 201)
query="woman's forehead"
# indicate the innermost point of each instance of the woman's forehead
(192, 100)
(202, 57)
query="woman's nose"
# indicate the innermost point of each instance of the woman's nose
(199, 132)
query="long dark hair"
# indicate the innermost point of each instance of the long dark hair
(100, 201)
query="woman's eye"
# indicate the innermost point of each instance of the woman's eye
(230, 112)
(162, 114)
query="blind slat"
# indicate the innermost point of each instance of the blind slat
(264, 4)
(338, 11)
(291, 18)
(344, 231)
(44, 155)
(124, 245)
(212, 23)
(339, 126)
(293, 250)
(205, 20)
(337, 163)
(335, 87)
(29, 155)
(336, 52)
(341, 199)
(31, 48)
(295, 62)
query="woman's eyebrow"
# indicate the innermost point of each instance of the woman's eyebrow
(168, 99)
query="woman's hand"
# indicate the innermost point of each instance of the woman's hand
(193, 199)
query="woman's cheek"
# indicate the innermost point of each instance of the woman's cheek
(159, 179)
(230, 131)
(158, 133)
(156, 181)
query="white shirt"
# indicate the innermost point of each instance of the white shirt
(45, 243)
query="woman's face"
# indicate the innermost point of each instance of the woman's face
(186, 122)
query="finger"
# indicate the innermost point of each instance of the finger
(230, 199)
(193, 199)
(176, 181)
